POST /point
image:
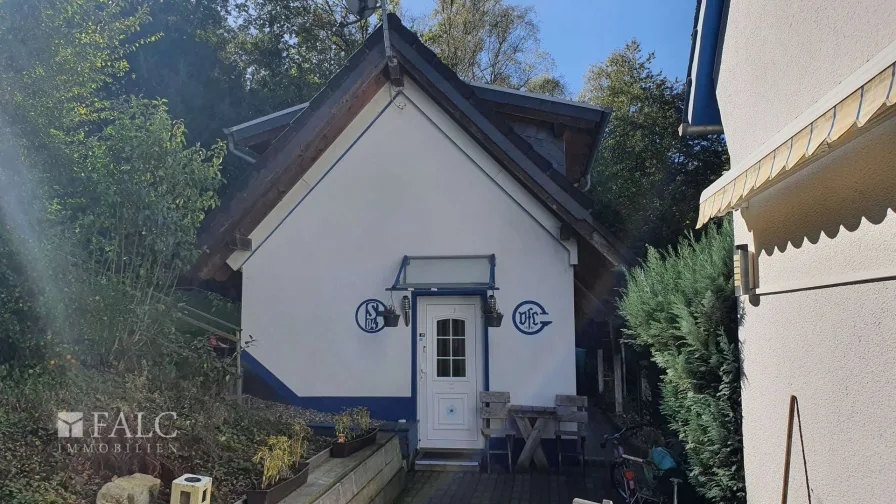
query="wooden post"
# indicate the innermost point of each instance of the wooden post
(600, 370)
(617, 372)
(239, 366)
(645, 386)
(624, 370)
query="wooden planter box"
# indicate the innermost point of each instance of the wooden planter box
(342, 450)
(280, 491)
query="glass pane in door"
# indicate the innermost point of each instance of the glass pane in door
(451, 348)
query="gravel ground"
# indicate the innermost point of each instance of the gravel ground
(295, 413)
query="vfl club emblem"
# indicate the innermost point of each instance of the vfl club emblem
(530, 318)
(368, 316)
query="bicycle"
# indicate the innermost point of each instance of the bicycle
(623, 474)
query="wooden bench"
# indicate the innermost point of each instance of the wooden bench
(572, 409)
(493, 407)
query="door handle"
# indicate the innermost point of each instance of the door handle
(423, 364)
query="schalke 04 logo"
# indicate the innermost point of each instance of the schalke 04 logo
(368, 316)
(529, 317)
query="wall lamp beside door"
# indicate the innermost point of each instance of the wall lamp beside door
(744, 270)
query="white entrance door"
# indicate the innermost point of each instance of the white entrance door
(448, 346)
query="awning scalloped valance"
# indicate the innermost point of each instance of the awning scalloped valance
(866, 105)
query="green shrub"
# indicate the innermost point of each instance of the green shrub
(680, 304)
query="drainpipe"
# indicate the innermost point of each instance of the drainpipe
(391, 62)
(234, 149)
(709, 129)
(587, 181)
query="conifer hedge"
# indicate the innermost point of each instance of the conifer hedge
(680, 304)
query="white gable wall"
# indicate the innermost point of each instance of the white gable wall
(414, 184)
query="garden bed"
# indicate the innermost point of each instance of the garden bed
(216, 436)
(233, 475)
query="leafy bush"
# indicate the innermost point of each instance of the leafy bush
(680, 305)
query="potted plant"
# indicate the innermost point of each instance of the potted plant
(493, 315)
(342, 425)
(353, 432)
(282, 470)
(391, 316)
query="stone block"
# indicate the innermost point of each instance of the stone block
(134, 489)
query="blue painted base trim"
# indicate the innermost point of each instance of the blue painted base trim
(568, 446)
(381, 408)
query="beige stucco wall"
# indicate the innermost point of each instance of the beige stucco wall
(833, 347)
(780, 57)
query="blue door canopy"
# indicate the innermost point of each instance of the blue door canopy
(446, 273)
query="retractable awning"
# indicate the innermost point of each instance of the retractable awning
(445, 273)
(869, 104)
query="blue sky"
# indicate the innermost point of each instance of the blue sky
(581, 32)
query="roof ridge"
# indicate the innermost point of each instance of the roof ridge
(279, 165)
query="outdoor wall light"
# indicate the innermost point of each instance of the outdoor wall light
(744, 272)
(406, 310)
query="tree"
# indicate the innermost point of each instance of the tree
(101, 194)
(57, 57)
(288, 49)
(647, 179)
(490, 42)
(681, 306)
(548, 85)
(186, 65)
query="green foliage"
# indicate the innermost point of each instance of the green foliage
(647, 179)
(57, 55)
(138, 194)
(187, 66)
(281, 455)
(680, 305)
(548, 85)
(275, 459)
(119, 229)
(215, 435)
(492, 42)
(288, 49)
(361, 418)
(351, 423)
(220, 63)
(342, 426)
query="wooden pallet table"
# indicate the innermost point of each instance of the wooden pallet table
(534, 422)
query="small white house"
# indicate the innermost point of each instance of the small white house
(414, 189)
